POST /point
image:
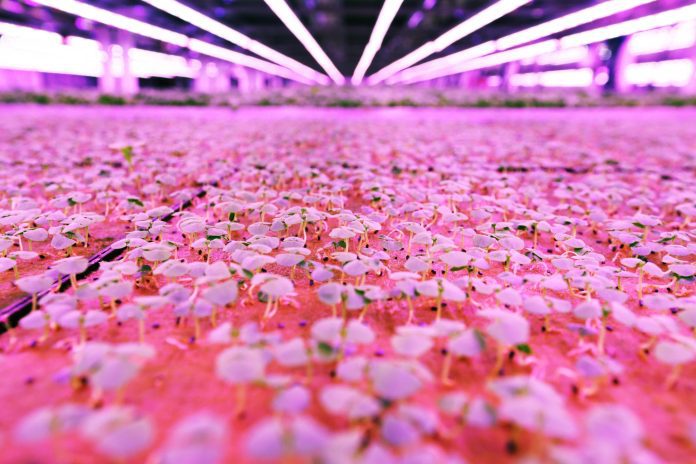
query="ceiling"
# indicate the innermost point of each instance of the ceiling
(342, 27)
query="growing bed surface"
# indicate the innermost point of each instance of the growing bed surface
(482, 220)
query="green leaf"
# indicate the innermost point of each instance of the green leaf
(340, 244)
(232, 216)
(263, 298)
(248, 273)
(638, 224)
(325, 349)
(524, 348)
(457, 268)
(135, 201)
(127, 153)
(145, 269)
(71, 202)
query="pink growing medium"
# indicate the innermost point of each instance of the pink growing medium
(355, 285)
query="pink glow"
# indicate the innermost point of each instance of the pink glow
(516, 54)
(458, 32)
(540, 31)
(116, 20)
(244, 60)
(664, 39)
(564, 56)
(444, 63)
(292, 22)
(202, 21)
(28, 49)
(384, 20)
(668, 73)
(145, 63)
(584, 16)
(600, 34)
(581, 77)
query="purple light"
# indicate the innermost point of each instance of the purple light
(415, 19)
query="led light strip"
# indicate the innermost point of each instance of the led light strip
(29, 49)
(540, 31)
(580, 77)
(384, 20)
(118, 21)
(476, 22)
(292, 22)
(665, 18)
(569, 21)
(135, 26)
(208, 24)
(231, 56)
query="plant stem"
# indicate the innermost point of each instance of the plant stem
(446, 366)
(499, 359)
(410, 309)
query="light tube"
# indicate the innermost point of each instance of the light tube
(668, 73)
(476, 22)
(665, 18)
(135, 26)
(485, 48)
(507, 56)
(581, 77)
(384, 20)
(28, 49)
(564, 56)
(231, 56)
(118, 21)
(663, 39)
(533, 33)
(569, 21)
(292, 22)
(208, 24)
